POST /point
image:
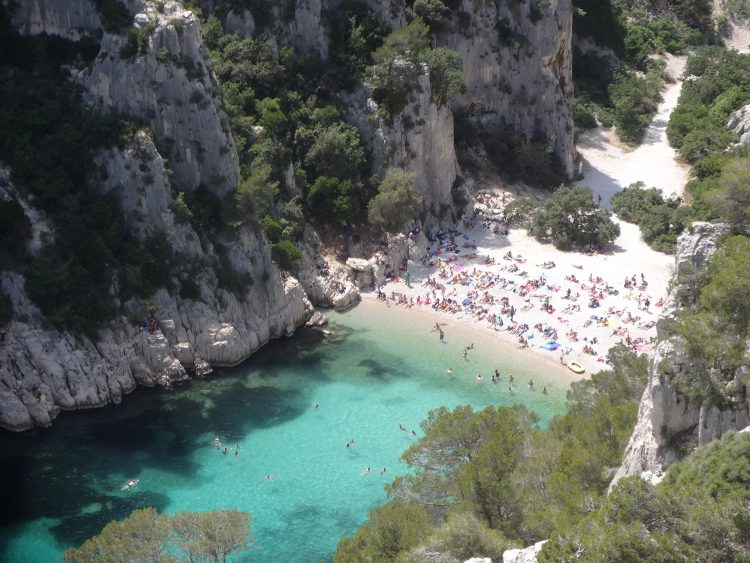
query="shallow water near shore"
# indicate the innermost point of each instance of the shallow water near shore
(382, 368)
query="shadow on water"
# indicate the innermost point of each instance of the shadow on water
(378, 370)
(77, 529)
(72, 472)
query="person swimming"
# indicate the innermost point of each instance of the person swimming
(129, 485)
(365, 471)
(478, 378)
(317, 405)
(544, 390)
(413, 433)
(449, 371)
(382, 471)
(269, 477)
(402, 427)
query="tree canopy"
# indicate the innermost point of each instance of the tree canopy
(147, 536)
(396, 202)
(571, 217)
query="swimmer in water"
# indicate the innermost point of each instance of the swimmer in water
(402, 427)
(269, 477)
(350, 444)
(478, 378)
(544, 390)
(413, 433)
(449, 371)
(317, 405)
(531, 383)
(365, 471)
(382, 471)
(510, 379)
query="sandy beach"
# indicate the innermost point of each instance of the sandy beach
(557, 306)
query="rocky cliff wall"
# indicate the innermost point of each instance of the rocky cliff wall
(518, 68)
(517, 64)
(44, 370)
(169, 84)
(419, 139)
(666, 419)
(71, 19)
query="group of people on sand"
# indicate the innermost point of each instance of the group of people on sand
(501, 295)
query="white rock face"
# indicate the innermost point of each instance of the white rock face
(664, 414)
(419, 139)
(71, 19)
(43, 370)
(739, 123)
(518, 72)
(525, 555)
(171, 87)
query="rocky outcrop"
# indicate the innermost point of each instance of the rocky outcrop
(326, 282)
(666, 419)
(525, 555)
(71, 19)
(518, 68)
(697, 244)
(43, 370)
(168, 84)
(419, 139)
(739, 124)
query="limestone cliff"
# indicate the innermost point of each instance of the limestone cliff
(419, 139)
(666, 419)
(517, 65)
(518, 68)
(169, 84)
(44, 370)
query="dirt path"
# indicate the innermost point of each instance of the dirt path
(608, 167)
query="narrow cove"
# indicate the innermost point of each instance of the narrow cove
(383, 368)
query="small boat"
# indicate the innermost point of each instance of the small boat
(575, 367)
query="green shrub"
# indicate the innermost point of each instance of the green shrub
(330, 198)
(635, 101)
(271, 228)
(396, 202)
(571, 217)
(661, 221)
(583, 114)
(286, 255)
(114, 15)
(606, 116)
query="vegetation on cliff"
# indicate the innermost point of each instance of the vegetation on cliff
(625, 92)
(146, 535)
(49, 141)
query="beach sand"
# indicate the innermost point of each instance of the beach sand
(609, 168)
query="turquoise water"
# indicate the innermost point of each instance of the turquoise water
(383, 368)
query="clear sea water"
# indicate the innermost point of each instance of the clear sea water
(383, 368)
